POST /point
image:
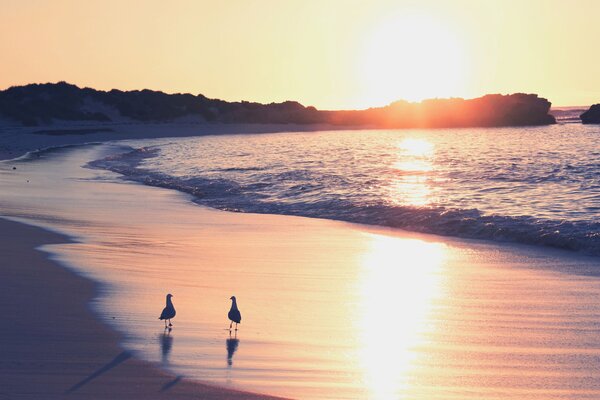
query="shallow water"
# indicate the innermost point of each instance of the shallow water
(330, 310)
(536, 185)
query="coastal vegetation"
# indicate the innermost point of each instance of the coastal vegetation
(45, 104)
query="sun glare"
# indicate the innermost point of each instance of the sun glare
(416, 147)
(411, 184)
(401, 280)
(411, 57)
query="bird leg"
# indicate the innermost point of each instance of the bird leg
(230, 325)
(165, 324)
(170, 324)
(236, 326)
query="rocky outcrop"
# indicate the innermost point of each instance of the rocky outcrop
(591, 116)
(517, 109)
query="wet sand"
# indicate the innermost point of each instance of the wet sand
(52, 345)
(330, 310)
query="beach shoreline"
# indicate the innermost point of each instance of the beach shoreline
(16, 141)
(204, 255)
(56, 348)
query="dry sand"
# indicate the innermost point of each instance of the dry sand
(54, 348)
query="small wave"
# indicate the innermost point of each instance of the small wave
(249, 169)
(228, 195)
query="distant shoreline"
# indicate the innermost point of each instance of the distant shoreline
(16, 141)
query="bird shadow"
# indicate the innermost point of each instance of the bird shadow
(122, 357)
(170, 384)
(166, 345)
(232, 346)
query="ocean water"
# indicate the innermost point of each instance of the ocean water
(569, 115)
(532, 185)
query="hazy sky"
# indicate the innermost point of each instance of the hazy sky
(327, 53)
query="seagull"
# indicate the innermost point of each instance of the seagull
(168, 312)
(234, 314)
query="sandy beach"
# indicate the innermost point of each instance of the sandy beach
(51, 331)
(54, 348)
(470, 319)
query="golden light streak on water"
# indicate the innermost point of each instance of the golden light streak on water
(414, 167)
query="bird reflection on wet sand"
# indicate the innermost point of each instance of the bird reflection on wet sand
(232, 345)
(166, 343)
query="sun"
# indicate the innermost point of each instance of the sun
(411, 57)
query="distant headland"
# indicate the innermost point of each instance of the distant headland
(591, 116)
(45, 104)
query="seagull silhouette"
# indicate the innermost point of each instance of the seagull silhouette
(168, 312)
(234, 314)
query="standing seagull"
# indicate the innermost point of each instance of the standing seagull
(234, 314)
(168, 312)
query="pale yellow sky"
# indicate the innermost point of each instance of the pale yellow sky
(328, 53)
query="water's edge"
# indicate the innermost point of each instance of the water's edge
(577, 236)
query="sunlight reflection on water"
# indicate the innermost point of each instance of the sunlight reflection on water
(527, 185)
(410, 186)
